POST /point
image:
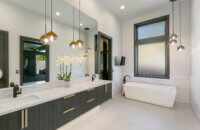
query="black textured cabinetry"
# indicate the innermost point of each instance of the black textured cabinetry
(54, 114)
(11, 121)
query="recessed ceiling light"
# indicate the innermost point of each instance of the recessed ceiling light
(122, 7)
(81, 24)
(58, 13)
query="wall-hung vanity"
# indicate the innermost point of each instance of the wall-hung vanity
(41, 101)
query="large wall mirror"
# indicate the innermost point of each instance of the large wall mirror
(32, 62)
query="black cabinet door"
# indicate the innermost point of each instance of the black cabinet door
(11, 121)
(108, 91)
(33, 118)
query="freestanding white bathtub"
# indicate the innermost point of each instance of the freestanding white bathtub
(150, 93)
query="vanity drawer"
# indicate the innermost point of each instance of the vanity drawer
(90, 93)
(69, 101)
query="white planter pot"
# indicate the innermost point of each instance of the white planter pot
(67, 84)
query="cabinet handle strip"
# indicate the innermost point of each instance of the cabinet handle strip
(90, 89)
(66, 97)
(106, 88)
(22, 119)
(69, 110)
(90, 100)
(26, 117)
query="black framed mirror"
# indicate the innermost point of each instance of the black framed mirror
(34, 61)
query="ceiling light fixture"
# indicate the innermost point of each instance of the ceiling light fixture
(44, 39)
(122, 7)
(81, 24)
(58, 13)
(73, 44)
(79, 43)
(180, 47)
(51, 35)
(173, 38)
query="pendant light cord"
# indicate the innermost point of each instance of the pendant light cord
(51, 15)
(180, 21)
(79, 20)
(173, 15)
(73, 23)
(45, 17)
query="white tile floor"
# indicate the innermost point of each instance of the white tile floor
(124, 114)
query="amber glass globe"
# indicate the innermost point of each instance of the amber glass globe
(44, 39)
(79, 43)
(180, 48)
(52, 36)
(72, 44)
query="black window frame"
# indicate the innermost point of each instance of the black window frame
(151, 41)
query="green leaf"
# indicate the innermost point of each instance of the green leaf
(68, 77)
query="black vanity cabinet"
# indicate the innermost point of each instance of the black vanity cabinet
(11, 121)
(54, 114)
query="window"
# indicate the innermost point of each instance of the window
(151, 48)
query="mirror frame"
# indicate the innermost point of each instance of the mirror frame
(22, 40)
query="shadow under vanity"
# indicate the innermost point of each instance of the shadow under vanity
(31, 97)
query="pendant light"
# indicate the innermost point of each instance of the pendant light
(51, 35)
(73, 44)
(173, 38)
(44, 39)
(79, 43)
(180, 47)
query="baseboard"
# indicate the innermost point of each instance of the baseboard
(196, 111)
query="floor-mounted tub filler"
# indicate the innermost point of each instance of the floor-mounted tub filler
(150, 93)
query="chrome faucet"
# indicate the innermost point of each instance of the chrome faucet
(16, 89)
(124, 78)
(93, 77)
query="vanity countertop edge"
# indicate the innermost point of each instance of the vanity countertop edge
(71, 90)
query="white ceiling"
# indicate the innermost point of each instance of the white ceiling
(133, 8)
(65, 9)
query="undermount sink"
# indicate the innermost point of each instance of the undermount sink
(18, 101)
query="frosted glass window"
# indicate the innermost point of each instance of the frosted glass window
(151, 59)
(151, 30)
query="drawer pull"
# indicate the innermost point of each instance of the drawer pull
(69, 110)
(90, 100)
(66, 97)
(26, 117)
(22, 119)
(106, 88)
(90, 89)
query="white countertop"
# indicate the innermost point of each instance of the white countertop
(26, 100)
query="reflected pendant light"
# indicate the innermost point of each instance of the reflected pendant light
(73, 44)
(173, 38)
(44, 39)
(51, 35)
(180, 47)
(79, 43)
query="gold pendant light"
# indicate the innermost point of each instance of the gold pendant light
(180, 47)
(73, 44)
(173, 38)
(51, 35)
(79, 43)
(44, 39)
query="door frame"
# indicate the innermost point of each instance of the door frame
(6, 57)
(98, 41)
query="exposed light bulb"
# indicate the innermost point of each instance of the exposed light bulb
(122, 7)
(58, 13)
(81, 24)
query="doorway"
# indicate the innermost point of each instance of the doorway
(103, 56)
(4, 74)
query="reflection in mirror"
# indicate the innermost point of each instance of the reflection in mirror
(34, 61)
(1, 73)
(22, 18)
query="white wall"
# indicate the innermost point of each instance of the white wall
(110, 25)
(179, 62)
(20, 22)
(195, 76)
